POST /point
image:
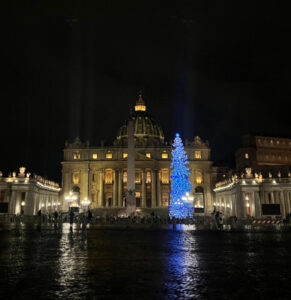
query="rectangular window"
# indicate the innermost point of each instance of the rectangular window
(246, 155)
(137, 177)
(198, 176)
(197, 154)
(148, 155)
(94, 156)
(124, 177)
(108, 176)
(124, 155)
(148, 177)
(165, 199)
(108, 155)
(165, 176)
(77, 155)
(165, 155)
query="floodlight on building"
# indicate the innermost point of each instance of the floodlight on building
(23, 203)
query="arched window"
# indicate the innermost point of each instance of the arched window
(198, 177)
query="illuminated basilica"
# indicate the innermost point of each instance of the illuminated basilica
(99, 174)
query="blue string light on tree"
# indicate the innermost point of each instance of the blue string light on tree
(180, 184)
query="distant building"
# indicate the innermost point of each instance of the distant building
(263, 151)
(261, 184)
(100, 175)
(22, 194)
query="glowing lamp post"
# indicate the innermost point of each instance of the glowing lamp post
(85, 202)
(188, 199)
(70, 198)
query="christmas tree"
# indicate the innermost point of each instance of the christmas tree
(180, 184)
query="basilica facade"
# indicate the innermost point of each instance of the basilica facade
(99, 174)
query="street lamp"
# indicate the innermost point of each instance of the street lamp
(70, 198)
(85, 202)
(188, 199)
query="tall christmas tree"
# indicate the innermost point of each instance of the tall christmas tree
(180, 184)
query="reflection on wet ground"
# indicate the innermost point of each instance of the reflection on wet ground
(143, 264)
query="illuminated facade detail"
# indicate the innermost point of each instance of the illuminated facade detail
(94, 156)
(165, 176)
(198, 176)
(197, 154)
(152, 178)
(140, 106)
(27, 195)
(246, 155)
(137, 178)
(124, 155)
(255, 196)
(165, 155)
(166, 199)
(76, 177)
(108, 155)
(108, 176)
(148, 177)
(125, 177)
(77, 155)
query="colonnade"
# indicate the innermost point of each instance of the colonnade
(118, 192)
(249, 202)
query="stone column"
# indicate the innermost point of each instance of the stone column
(241, 202)
(143, 188)
(266, 198)
(120, 173)
(257, 200)
(287, 201)
(154, 192)
(159, 190)
(272, 198)
(101, 188)
(282, 204)
(29, 203)
(115, 183)
(12, 202)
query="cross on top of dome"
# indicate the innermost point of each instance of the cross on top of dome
(140, 105)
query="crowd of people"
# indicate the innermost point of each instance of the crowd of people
(84, 218)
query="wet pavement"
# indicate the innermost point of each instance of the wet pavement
(118, 263)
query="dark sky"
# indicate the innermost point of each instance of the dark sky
(217, 69)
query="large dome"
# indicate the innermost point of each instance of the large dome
(147, 132)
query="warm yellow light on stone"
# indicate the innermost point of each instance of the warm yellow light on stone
(148, 155)
(108, 155)
(140, 106)
(165, 155)
(77, 155)
(197, 154)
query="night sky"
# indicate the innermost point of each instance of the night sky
(217, 69)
